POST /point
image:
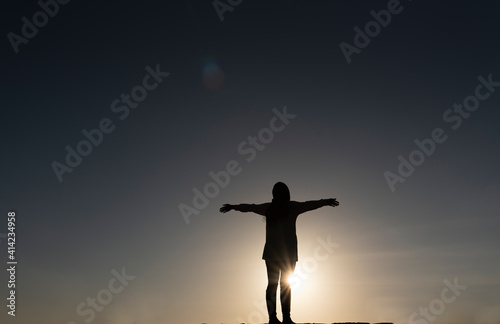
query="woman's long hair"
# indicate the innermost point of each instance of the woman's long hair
(279, 206)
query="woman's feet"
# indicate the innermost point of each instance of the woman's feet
(286, 320)
(274, 320)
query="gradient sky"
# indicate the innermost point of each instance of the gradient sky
(120, 207)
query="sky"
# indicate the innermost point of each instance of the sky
(128, 124)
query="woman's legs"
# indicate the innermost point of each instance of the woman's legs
(285, 289)
(273, 274)
(273, 278)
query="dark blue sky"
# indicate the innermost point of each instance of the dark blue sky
(120, 206)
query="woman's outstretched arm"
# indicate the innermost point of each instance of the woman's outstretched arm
(306, 206)
(244, 208)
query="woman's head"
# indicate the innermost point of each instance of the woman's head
(281, 192)
(278, 210)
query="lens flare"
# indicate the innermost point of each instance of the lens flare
(213, 77)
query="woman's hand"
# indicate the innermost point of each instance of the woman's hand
(225, 208)
(331, 202)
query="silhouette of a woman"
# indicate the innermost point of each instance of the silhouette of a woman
(280, 250)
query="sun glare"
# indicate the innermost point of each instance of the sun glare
(295, 281)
